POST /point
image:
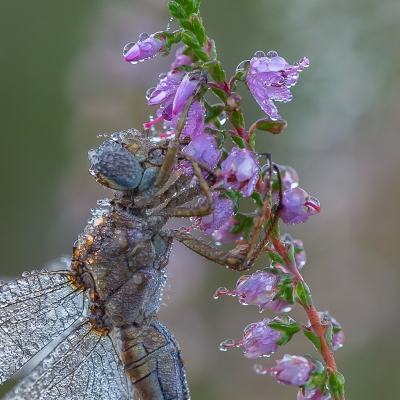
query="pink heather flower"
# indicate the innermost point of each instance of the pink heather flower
(224, 235)
(185, 89)
(194, 124)
(204, 149)
(312, 394)
(257, 289)
(166, 88)
(259, 339)
(181, 59)
(142, 50)
(298, 206)
(240, 171)
(222, 212)
(292, 370)
(289, 177)
(269, 78)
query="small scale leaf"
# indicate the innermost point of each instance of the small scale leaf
(303, 294)
(336, 385)
(313, 337)
(245, 224)
(190, 40)
(258, 199)
(290, 254)
(239, 141)
(238, 118)
(176, 10)
(198, 29)
(275, 257)
(219, 72)
(252, 141)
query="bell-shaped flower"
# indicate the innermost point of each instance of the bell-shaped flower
(240, 171)
(223, 210)
(269, 78)
(259, 340)
(144, 49)
(292, 370)
(166, 88)
(204, 149)
(298, 206)
(185, 89)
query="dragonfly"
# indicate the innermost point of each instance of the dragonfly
(100, 313)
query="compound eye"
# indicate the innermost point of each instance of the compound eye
(114, 166)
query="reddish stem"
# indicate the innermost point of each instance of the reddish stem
(316, 325)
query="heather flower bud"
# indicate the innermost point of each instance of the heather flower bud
(298, 206)
(186, 88)
(269, 78)
(258, 340)
(312, 394)
(142, 50)
(257, 289)
(240, 171)
(181, 59)
(292, 370)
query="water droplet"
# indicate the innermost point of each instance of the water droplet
(149, 92)
(242, 66)
(127, 48)
(222, 118)
(26, 273)
(272, 54)
(169, 24)
(225, 344)
(259, 54)
(143, 36)
(259, 369)
(162, 76)
(34, 271)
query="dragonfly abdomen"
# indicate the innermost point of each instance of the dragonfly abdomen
(152, 360)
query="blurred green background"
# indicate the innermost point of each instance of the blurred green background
(63, 81)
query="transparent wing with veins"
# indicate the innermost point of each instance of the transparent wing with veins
(84, 365)
(34, 310)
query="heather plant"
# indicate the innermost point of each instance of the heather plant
(215, 135)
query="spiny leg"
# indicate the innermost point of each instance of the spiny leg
(244, 255)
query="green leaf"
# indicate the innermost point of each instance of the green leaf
(258, 199)
(198, 29)
(201, 54)
(245, 224)
(238, 118)
(269, 125)
(242, 73)
(276, 258)
(290, 253)
(303, 294)
(219, 73)
(252, 141)
(329, 335)
(176, 10)
(190, 39)
(313, 337)
(287, 326)
(214, 111)
(220, 93)
(336, 385)
(239, 141)
(196, 5)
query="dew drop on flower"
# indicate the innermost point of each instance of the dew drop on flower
(225, 344)
(259, 54)
(149, 92)
(272, 54)
(241, 66)
(143, 36)
(162, 76)
(127, 48)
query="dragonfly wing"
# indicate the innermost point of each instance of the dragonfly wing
(34, 310)
(84, 366)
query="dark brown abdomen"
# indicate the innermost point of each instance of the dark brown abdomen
(152, 359)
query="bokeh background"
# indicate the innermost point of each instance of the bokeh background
(63, 81)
